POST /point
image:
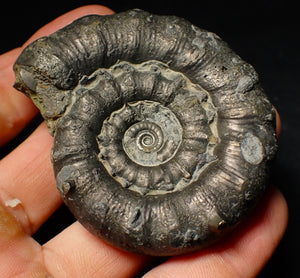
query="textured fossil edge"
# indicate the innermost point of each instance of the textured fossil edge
(48, 71)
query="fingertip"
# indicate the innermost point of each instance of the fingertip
(259, 235)
(68, 18)
(278, 123)
(95, 8)
(277, 214)
(9, 226)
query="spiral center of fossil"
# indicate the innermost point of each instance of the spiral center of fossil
(154, 137)
(149, 141)
(146, 136)
(145, 141)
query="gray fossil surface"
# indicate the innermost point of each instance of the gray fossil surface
(163, 136)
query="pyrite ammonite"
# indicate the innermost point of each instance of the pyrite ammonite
(163, 135)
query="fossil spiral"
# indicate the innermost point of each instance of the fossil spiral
(163, 136)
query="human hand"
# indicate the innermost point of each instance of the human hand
(28, 196)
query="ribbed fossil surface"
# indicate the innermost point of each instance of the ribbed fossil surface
(163, 135)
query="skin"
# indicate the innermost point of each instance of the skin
(26, 175)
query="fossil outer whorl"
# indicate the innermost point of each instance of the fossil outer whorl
(162, 134)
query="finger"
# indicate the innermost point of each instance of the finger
(77, 253)
(27, 184)
(66, 19)
(242, 254)
(278, 123)
(73, 253)
(20, 255)
(16, 110)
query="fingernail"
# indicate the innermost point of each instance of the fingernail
(9, 225)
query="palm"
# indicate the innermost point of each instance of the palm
(27, 176)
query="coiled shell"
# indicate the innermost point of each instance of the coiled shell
(163, 135)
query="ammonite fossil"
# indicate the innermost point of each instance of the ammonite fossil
(163, 135)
